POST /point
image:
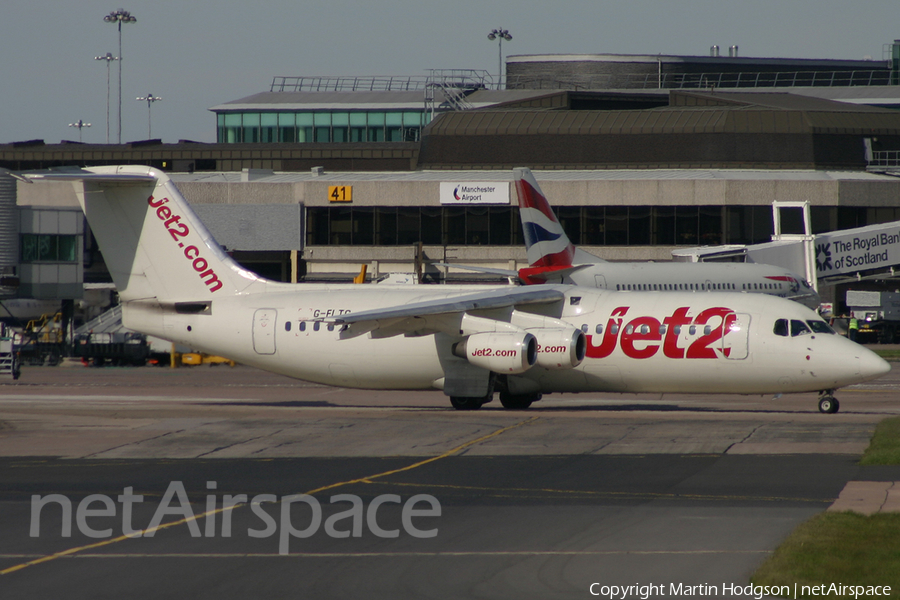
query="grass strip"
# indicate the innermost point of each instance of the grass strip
(892, 354)
(884, 449)
(844, 548)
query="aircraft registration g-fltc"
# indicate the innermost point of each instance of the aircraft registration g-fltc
(175, 282)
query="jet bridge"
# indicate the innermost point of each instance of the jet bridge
(848, 255)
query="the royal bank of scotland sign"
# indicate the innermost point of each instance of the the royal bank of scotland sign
(874, 247)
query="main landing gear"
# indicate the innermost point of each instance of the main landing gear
(509, 401)
(470, 402)
(521, 402)
(827, 402)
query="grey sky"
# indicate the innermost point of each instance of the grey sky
(196, 54)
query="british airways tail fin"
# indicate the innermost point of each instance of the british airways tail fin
(154, 246)
(546, 243)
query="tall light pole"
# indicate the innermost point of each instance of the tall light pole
(120, 16)
(150, 99)
(499, 34)
(108, 58)
(79, 124)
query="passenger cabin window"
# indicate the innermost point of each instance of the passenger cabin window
(302, 326)
(599, 329)
(781, 327)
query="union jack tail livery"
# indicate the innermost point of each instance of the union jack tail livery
(546, 243)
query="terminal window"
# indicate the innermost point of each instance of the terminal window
(48, 248)
(393, 226)
(585, 225)
(320, 126)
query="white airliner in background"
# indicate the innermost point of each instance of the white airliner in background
(175, 282)
(552, 258)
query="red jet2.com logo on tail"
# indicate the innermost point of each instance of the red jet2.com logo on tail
(177, 230)
(644, 331)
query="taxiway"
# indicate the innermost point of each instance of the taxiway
(540, 503)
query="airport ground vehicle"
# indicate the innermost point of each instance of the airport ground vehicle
(878, 314)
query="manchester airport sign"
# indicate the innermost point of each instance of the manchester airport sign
(874, 247)
(490, 192)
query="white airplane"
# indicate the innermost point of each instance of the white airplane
(552, 258)
(175, 282)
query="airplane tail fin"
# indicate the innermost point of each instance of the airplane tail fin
(546, 243)
(153, 244)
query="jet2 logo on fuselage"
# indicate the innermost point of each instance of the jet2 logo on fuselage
(639, 337)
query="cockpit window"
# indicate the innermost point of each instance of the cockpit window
(781, 327)
(799, 328)
(820, 327)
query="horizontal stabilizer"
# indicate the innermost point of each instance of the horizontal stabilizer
(88, 176)
(491, 270)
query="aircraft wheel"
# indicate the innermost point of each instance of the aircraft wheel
(511, 402)
(829, 404)
(466, 402)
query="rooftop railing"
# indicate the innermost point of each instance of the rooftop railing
(462, 78)
(475, 79)
(704, 80)
(885, 158)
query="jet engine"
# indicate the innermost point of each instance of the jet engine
(560, 348)
(501, 352)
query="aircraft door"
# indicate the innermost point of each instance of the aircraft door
(736, 340)
(264, 330)
(600, 282)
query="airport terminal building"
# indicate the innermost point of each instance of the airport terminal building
(640, 155)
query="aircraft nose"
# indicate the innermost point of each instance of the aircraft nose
(871, 365)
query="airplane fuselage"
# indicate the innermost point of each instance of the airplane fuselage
(692, 277)
(636, 342)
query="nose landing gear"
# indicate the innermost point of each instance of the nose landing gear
(827, 402)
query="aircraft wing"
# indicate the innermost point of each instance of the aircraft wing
(528, 275)
(444, 314)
